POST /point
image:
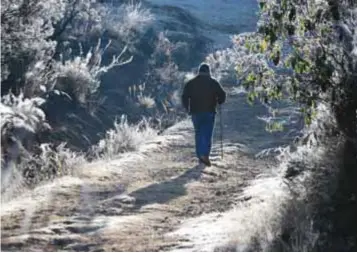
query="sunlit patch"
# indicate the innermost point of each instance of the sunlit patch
(39, 195)
(237, 226)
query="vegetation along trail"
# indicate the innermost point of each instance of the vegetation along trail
(97, 151)
(136, 202)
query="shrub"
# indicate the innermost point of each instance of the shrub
(22, 120)
(124, 137)
(80, 76)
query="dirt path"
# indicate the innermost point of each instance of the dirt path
(131, 204)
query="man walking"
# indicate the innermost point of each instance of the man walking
(200, 98)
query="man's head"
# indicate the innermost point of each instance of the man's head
(204, 69)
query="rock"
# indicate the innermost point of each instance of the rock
(112, 211)
(211, 173)
(79, 247)
(58, 230)
(166, 219)
(81, 218)
(11, 246)
(82, 229)
(62, 241)
(211, 180)
(68, 222)
(44, 231)
(126, 199)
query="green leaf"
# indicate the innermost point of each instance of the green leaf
(251, 97)
(239, 68)
(263, 45)
(284, 4)
(274, 127)
(248, 45)
(251, 77)
(302, 66)
(308, 119)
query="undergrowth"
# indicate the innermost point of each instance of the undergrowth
(124, 137)
(49, 162)
(288, 211)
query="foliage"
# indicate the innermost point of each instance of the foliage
(126, 23)
(159, 89)
(124, 137)
(40, 61)
(305, 51)
(80, 76)
(50, 162)
(35, 52)
(21, 120)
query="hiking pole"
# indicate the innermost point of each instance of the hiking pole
(221, 126)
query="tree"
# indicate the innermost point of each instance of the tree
(33, 36)
(25, 27)
(38, 63)
(306, 51)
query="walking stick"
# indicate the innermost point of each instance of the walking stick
(221, 126)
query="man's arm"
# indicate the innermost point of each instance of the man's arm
(221, 94)
(186, 97)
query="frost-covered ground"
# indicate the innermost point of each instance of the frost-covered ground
(156, 198)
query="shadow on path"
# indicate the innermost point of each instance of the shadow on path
(167, 190)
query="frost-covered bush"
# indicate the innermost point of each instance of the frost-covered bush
(38, 53)
(21, 121)
(305, 52)
(164, 74)
(51, 162)
(26, 25)
(296, 197)
(81, 18)
(126, 23)
(36, 33)
(33, 169)
(80, 75)
(146, 101)
(160, 90)
(25, 161)
(124, 137)
(223, 62)
(31, 33)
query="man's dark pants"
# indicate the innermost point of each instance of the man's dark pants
(203, 123)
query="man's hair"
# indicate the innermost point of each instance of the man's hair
(204, 69)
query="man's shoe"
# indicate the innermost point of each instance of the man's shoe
(205, 160)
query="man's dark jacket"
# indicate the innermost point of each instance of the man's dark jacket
(202, 94)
